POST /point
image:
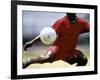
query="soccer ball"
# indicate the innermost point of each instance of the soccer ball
(48, 35)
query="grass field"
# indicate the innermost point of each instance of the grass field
(37, 50)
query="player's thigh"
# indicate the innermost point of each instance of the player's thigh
(78, 58)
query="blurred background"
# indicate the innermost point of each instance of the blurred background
(34, 21)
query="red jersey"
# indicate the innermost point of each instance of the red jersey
(68, 34)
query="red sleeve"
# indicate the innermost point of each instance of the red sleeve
(57, 26)
(85, 26)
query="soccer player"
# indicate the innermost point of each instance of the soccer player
(68, 30)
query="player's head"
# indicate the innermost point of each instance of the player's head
(72, 17)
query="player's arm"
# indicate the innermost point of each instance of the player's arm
(57, 26)
(85, 27)
(30, 43)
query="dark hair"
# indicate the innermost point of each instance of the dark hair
(71, 14)
(72, 17)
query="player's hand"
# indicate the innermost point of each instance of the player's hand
(28, 44)
(25, 49)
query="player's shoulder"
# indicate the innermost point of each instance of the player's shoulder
(81, 20)
(61, 20)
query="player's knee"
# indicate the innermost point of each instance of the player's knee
(82, 62)
(85, 60)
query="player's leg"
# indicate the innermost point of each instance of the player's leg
(40, 59)
(79, 58)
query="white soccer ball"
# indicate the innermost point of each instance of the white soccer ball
(48, 35)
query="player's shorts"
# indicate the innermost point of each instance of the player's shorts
(62, 54)
(80, 59)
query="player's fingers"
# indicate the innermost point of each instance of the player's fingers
(25, 49)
